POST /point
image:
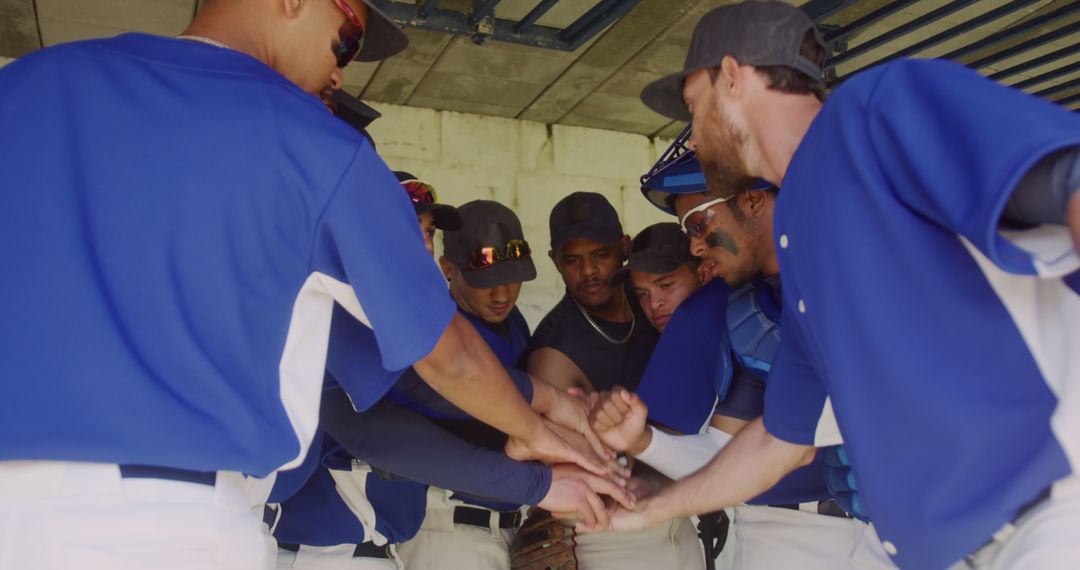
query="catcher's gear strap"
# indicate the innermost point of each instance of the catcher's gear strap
(713, 532)
(680, 455)
(543, 543)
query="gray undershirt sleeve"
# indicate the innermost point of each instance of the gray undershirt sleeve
(1043, 194)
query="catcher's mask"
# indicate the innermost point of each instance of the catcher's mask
(677, 172)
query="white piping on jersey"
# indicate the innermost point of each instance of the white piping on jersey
(1047, 314)
(1050, 247)
(827, 431)
(352, 487)
(303, 360)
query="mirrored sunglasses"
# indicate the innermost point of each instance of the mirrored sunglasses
(487, 256)
(350, 35)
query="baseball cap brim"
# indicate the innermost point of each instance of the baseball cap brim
(601, 235)
(651, 265)
(502, 273)
(665, 95)
(446, 217)
(383, 38)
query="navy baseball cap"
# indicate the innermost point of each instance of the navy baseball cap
(754, 33)
(382, 37)
(423, 199)
(658, 249)
(492, 232)
(583, 215)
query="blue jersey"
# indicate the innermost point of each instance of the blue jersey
(941, 346)
(689, 377)
(177, 221)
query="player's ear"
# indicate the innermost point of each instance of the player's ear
(753, 201)
(447, 267)
(291, 7)
(730, 80)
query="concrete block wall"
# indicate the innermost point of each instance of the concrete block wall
(525, 165)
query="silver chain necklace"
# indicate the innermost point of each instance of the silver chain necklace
(596, 327)
(203, 40)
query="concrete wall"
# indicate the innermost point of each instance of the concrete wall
(525, 165)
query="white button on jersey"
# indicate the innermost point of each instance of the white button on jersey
(802, 306)
(783, 241)
(889, 547)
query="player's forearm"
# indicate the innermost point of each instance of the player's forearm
(463, 369)
(410, 445)
(678, 456)
(749, 465)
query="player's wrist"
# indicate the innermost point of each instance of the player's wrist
(545, 396)
(641, 442)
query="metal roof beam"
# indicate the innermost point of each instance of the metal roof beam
(1068, 100)
(900, 31)
(534, 15)
(483, 11)
(599, 16)
(1016, 30)
(1058, 88)
(819, 10)
(866, 21)
(426, 7)
(1059, 72)
(1037, 62)
(1025, 46)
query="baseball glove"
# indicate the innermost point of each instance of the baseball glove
(542, 543)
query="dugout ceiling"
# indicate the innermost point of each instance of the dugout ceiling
(583, 62)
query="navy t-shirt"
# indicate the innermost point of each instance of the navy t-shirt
(604, 363)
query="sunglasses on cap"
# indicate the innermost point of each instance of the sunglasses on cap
(420, 192)
(487, 256)
(350, 34)
(697, 220)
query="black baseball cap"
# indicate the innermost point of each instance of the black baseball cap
(353, 110)
(486, 223)
(382, 37)
(754, 33)
(583, 215)
(446, 217)
(658, 249)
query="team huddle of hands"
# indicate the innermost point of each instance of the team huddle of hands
(583, 436)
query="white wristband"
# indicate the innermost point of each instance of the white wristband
(680, 455)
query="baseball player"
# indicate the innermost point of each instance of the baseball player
(486, 262)
(930, 290)
(177, 235)
(596, 339)
(661, 271)
(689, 389)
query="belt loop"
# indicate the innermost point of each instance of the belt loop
(392, 549)
(494, 518)
(1004, 532)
